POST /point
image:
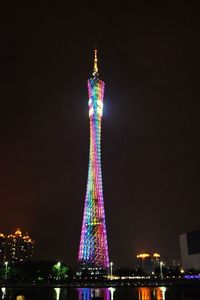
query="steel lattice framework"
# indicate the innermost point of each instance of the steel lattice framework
(93, 249)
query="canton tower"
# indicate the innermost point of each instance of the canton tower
(93, 249)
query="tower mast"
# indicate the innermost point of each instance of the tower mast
(95, 69)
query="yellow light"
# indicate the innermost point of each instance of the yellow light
(143, 255)
(95, 63)
(182, 271)
(156, 255)
(18, 232)
(20, 297)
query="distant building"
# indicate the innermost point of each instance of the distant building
(148, 262)
(190, 249)
(16, 247)
(2, 247)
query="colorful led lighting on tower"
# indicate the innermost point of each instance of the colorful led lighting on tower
(93, 249)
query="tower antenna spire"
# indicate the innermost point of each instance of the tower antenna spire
(95, 69)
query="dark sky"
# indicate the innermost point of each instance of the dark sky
(149, 60)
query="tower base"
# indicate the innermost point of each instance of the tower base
(87, 270)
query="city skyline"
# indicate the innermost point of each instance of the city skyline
(150, 63)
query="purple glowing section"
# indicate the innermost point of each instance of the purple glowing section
(192, 276)
(93, 249)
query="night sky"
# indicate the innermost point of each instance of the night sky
(149, 59)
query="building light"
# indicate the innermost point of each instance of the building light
(143, 255)
(18, 232)
(156, 255)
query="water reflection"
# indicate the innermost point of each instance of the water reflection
(112, 290)
(3, 292)
(90, 294)
(162, 293)
(57, 292)
(146, 293)
(20, 297)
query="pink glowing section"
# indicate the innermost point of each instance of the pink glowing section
(93, 250)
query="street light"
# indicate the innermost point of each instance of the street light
(161, 272)
(6, 269)
(111, 269)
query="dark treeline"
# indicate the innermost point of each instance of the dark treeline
(39, 271)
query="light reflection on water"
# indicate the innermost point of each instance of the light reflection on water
(118, 293)
(57, 292)
(3, 292)
(147, 293)
(144, 293)
(141, 293)
(101, 293)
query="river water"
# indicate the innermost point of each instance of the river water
(123, 293)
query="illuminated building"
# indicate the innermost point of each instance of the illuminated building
(2, 247)
(16, 247)
(148, 262)
(190, 249)
(93, 249)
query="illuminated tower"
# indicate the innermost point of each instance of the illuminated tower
(93, 249)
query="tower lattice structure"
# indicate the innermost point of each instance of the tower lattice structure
(93, 249)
